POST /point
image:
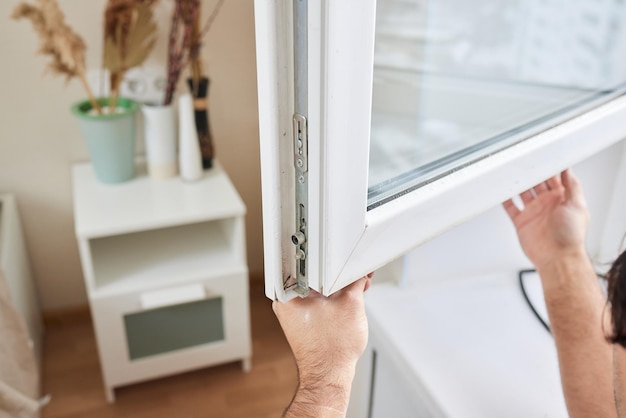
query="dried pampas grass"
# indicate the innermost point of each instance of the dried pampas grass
(129, 37)
(65, 47)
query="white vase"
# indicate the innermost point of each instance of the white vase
(160, 137)
(189, 157)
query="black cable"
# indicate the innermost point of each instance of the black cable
(520, 275)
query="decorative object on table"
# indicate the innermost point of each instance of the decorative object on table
(199, 86)
(107, 124)
(160, 136)
(183, 16)
(200, 91)
(185, 44)
(129, 37)
(110, 138)
(190, 160)
(64, 46)
(160, 118)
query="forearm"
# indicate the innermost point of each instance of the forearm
(318, 396)
(576, 307)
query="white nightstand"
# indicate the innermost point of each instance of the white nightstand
(165, 269)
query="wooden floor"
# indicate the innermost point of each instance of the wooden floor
(71, 375)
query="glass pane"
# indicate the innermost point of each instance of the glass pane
(172, 328)
(455, 80)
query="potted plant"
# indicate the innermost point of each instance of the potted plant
(107, 123)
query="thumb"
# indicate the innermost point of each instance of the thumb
(357, 288)
(573, 190)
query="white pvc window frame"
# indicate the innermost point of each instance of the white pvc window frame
(345, 240)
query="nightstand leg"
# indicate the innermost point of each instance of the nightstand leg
(246, 364)
(109, 392)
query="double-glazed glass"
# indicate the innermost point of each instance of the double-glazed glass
(456, 80)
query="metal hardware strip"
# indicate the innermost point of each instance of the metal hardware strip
(300, 144)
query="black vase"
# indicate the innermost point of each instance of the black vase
(200, 94)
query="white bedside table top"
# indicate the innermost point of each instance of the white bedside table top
(472, 344)
(142, 203)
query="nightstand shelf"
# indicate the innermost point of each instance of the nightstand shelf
(188, 251)
(166, 274)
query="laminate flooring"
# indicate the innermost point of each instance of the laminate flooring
(71, 375)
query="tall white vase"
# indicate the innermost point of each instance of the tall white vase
(189, 157)
(160, 136)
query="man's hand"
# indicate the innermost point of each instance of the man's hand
(553, 222)
(551, 229)
(327, 336)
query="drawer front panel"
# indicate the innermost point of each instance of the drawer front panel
(171, 328)
(138, 343)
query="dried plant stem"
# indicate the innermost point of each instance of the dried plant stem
(196, 62)
(116, 82)
(211, 19)
(187, 50)
(194, 53)
(172, 55)
(90, 95)
(185, 12)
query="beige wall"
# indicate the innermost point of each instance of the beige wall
(39, 138)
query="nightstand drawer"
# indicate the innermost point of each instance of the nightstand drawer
(172, 329)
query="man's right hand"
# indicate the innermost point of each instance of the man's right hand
(551, 229)
(553, 223)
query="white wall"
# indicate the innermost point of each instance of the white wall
(39, 138)
(488, 243)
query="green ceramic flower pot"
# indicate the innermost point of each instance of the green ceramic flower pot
(110, 138)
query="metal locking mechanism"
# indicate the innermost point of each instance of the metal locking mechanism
(299, 238)
(300, 143)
